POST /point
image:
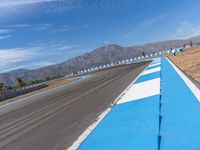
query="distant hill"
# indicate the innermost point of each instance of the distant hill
(102, 55)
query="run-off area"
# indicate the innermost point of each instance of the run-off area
(159, 111)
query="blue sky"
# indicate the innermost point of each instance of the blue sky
(37, 33)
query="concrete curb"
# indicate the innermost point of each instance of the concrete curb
(195, 90)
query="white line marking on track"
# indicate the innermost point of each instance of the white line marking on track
(87, 132)
(142, 90)
(156, 64)
(157, 69)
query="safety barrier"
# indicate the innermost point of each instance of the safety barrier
(135, 59)
(20, 91)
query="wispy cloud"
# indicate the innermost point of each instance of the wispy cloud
(42, 64)
(55, 46)
(53, 28)
(145, 25)
(66, 28)
(4, 34)
(7, 31)
(3, 31)
(154, 20)
(9, 57)
(4, 37)
(34, 57)
(66, 47)
(13, 68)
(186, 30)
(12, 8)
(62, 6)
(58, 49)
(5, 3)
(33, 27)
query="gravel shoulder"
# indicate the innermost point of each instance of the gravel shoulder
(189, 62)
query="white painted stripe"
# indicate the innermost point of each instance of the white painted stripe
(195, 90)
(157, 59)
(156, 64)
(141, 90)
(157, 69)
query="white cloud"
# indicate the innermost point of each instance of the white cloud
(9, 57)
(13, 68)
(66, 47)
(40, 27)
(67, 28)
(187, 30)
(145, 25)
(57, 46)
(44, 26)
(35, 56)
(153, 20)
(5, 3)
(18, 8)
(33, 27)
(62, 6)
(3, 31)
(42, 64)
(5, 37)
(48, 5)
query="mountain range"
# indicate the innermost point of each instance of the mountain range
(99, 56)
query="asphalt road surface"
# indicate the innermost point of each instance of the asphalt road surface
(54, 120)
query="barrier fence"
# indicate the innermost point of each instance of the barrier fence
(135, 59)
(16, 92)
(20, 91)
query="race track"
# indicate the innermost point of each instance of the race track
(54, 120)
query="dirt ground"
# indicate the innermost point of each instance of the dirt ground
(189, 62)
(49, 86)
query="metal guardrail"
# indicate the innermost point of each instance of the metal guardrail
(20, 91)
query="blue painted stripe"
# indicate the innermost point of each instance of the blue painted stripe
(180, 108)
(132, 125)
(148, 77)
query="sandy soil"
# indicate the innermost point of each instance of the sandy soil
(50, 85)
(189, 62)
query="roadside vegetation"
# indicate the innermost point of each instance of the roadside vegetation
(20, 83)
(2, 88)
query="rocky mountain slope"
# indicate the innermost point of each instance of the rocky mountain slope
(102, 55)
